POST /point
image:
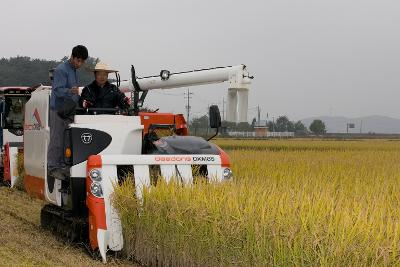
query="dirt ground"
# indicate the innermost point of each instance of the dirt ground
(24, 243)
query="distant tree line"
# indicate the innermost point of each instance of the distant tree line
(283, 124)
(26, 71)
(200, 126)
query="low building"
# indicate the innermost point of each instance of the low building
(261, 128)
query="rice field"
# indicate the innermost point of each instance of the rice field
(292, 202)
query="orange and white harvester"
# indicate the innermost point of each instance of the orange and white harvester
(100, 149)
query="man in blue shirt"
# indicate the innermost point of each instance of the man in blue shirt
(64, 89)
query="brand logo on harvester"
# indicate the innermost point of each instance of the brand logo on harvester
(86, 138)
(203, 159)
(184, 158)
(173, 158)
(36, 122)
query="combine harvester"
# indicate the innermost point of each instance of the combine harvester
(12, 104)
(100, 149)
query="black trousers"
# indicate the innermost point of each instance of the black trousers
(55, 150)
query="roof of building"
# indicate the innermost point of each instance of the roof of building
(261, 124)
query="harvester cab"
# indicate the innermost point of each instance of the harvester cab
(12, 105)
(102, 149)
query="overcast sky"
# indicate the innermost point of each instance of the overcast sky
(310, 57)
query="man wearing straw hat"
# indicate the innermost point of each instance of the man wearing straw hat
(101, 93)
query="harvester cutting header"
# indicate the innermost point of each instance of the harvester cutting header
(101, 145)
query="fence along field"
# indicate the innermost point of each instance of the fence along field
(291, 203)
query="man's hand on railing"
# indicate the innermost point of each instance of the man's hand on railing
(128, 100)
(86, 104)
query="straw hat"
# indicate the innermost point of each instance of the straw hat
(102, 67)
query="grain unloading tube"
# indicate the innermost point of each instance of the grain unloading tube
(104, 223)
(238, 77)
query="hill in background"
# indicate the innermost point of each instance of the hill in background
(369, 124)
(26, 71)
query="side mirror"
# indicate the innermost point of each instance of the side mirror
(215, 117)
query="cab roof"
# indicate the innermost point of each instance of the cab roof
(23, 89)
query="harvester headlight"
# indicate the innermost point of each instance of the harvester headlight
(95, 175)
(96, 189)
(227, 173)
(164, 74)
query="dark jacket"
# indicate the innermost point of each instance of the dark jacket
(107, 97)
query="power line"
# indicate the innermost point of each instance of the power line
(163, 93)
(205, 101)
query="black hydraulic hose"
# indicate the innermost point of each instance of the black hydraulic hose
(135, 92)
(213, 135)
(118, 78)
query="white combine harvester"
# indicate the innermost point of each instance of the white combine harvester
(12, 103)
(100, 148)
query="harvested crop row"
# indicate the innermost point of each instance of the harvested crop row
(24, 243)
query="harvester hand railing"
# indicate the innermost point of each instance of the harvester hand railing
(96, 110)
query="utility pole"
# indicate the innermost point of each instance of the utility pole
(273, 124)
(188, 107)
(258, 115)
(350, 126)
